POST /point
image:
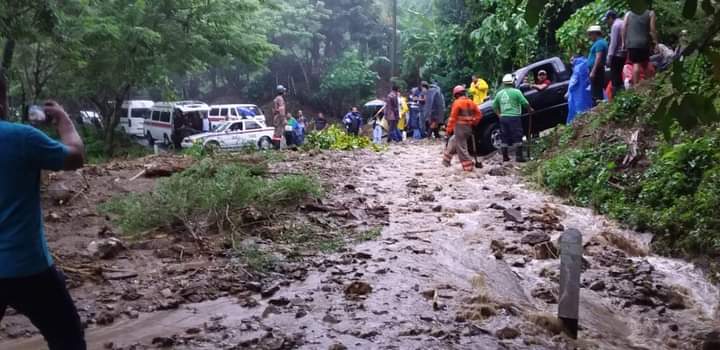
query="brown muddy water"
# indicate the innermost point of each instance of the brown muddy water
(452, 270)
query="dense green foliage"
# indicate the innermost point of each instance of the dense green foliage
(334, 138)
(348, 81)
(572, 36)
(213, 192)
(671, 189)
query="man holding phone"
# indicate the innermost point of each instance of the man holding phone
(29, 281)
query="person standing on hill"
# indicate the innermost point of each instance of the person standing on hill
(640, 38)
(596, 63)
(616, 52)
(464, 115)
(508, 104)
(478, 90)
(392, 114)
(320, 122)
(279, 116)
(29, 281)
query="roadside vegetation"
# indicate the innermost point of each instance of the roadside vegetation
(334, 138)
(622, 160)
(214, 195)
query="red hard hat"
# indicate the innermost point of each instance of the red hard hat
(460, 89)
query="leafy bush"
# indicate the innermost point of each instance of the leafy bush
(672, 191)
(572, 36)
(334, 138)
(207, 194)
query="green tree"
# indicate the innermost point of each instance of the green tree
(21, 20)
(120, 46)
(347, 83)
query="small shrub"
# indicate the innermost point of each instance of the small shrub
(204, 194)
(334, 138)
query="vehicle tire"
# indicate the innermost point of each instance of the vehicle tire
(212, 146)
(265, 143)
(489, 139)
(150, 139)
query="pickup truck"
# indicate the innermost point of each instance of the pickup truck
(550, 105)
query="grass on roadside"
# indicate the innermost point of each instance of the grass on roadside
(213, 193)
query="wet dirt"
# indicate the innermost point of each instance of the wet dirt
(463, 261)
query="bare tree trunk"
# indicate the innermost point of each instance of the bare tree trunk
(7, 56)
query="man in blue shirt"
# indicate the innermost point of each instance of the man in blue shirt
(29, 282)
(596, 63)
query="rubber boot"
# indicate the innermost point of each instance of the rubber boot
(519, 155)
(506, 157)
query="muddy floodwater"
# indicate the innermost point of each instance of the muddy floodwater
(466, 261)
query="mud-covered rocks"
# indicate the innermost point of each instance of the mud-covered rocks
(105, 248)
(513, 215)
(534, 238)
(357, 289)
(507, 333)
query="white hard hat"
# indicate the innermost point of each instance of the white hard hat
(595, 29)
(508, 79)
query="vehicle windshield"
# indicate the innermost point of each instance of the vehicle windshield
(221, 127)
(143, 113)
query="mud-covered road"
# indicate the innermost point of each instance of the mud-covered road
(466, 261)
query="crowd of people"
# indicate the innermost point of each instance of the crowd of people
(632, 52)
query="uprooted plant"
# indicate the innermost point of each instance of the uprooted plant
(221, 195)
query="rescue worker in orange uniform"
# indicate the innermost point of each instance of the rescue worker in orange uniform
(464, 115)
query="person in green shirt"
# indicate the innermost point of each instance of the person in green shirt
(508, 105)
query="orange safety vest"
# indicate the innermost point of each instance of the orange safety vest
(464, 112)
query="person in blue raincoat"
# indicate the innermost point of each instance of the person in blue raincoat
(579, 95)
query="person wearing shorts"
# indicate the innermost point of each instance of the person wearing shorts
(640, 35)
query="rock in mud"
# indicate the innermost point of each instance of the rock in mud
(60, 193)
(437, 208)
(497, 246)
(254, 287)
(279, 301)
(270, 291)
(597, 285)
(337, 346)
(496, 206)
(507, 333)
(357, 289)
(546, 250)
(105, 248)
(499, 171)
(270, 310)
(330, 319)
(534, 238)
(545, 294)
(427, 197)
(513, 215)
(104, 319)
(163, 342)
(414, 183)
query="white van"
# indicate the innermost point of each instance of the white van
(171, 122)
(132, 116)
(222, 113)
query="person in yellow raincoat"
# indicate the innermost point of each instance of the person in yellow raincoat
(478, 90)
(404, 110)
